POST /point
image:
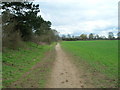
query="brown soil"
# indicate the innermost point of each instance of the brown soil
(64, 73)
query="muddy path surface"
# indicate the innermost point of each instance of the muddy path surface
(64, 73)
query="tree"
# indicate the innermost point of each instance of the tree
(73, 36)
(83, 36)
(91, 36)
(54, 35)
(63, 37)
(96, 37)
(110, 35)
(118, 35)
(69, 36)
(103, 37)
(44, 27)
(25, 14)
(21, 18)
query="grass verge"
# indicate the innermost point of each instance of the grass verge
(18, 64)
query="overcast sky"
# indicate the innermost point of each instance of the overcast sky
(81, 16)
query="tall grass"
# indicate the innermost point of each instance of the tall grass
(17, 62)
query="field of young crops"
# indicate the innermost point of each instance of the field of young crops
(101, 55)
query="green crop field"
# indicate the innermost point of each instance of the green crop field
(100, 55)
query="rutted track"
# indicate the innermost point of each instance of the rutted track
(64, 74)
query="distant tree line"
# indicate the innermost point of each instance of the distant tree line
(20, 22)
(91, 36)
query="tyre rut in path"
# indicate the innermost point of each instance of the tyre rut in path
(64, 73)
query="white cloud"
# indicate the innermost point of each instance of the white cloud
(81, 16)
(105, 33)
(85, 27)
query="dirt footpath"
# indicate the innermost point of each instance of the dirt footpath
(64, 74)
